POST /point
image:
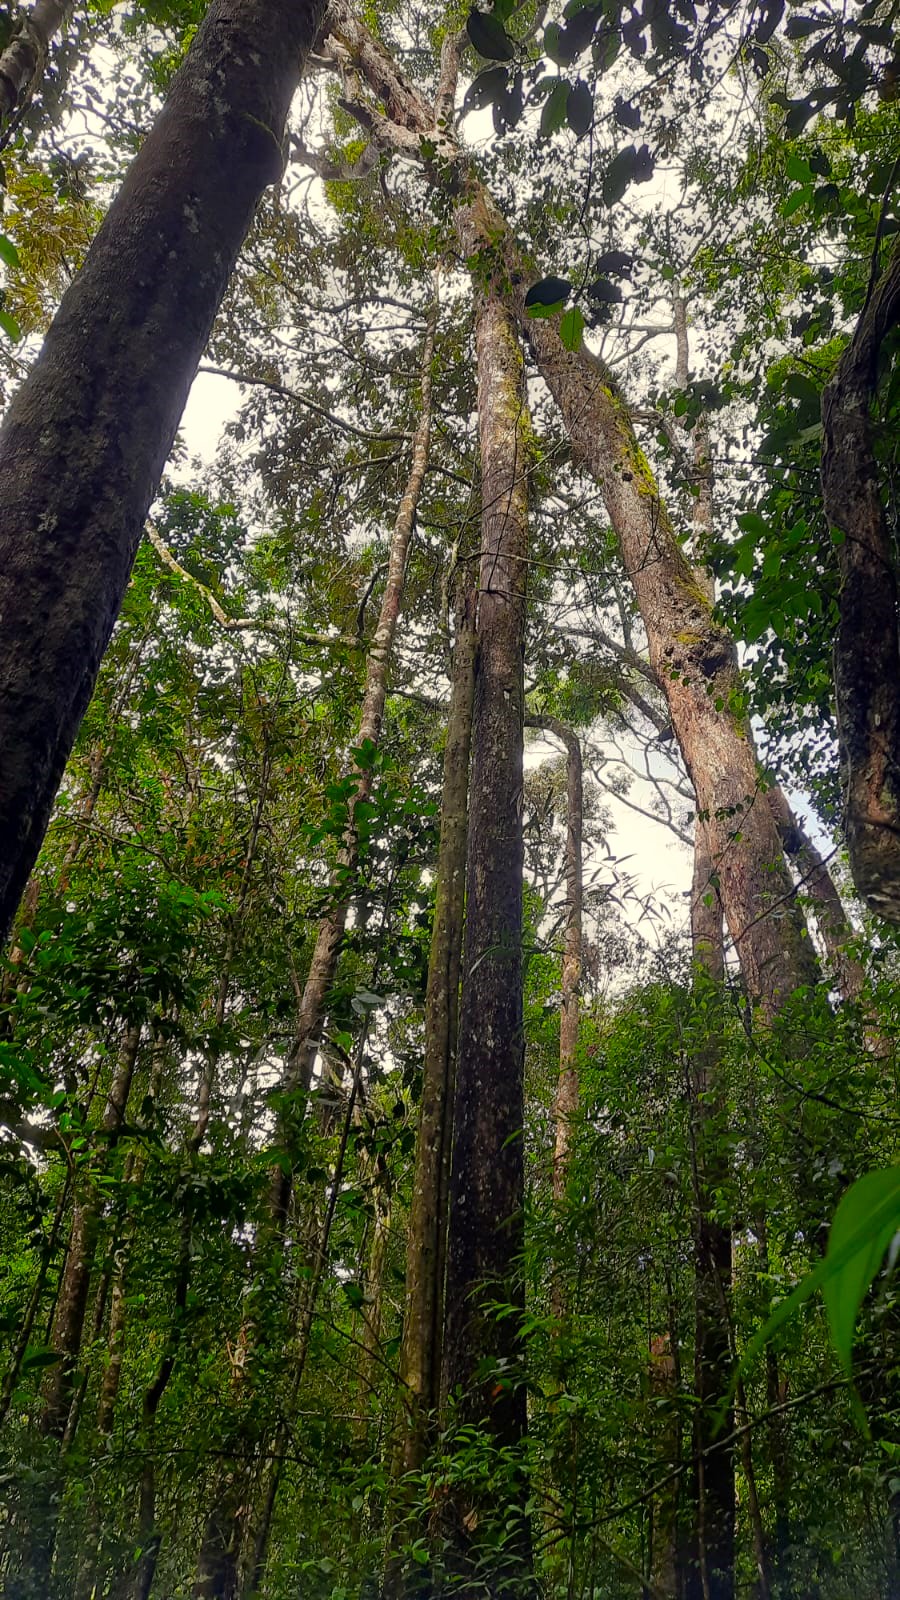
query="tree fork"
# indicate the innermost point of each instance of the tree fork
(695, 660)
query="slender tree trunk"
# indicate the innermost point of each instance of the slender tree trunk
(90, 1553)
(779, 1451)
(84, 442)
(423, 1322)
(664, 1506)
(713, 1469)
(23, 1338)
(68, 1325)
(757, 1529)
(565, 1104)
(25, 57)
(261, 1523)
(835, 928)
(420, 1361)
(72, 1303)
(311, 1010)
(695, 660)
(487, 1179)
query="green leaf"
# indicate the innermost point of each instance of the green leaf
(486, 87)
(798, 198)
(606, 49)
(634, 164)
(873, 1214)
(8, 251)
(553, 44)
(580, 108)
(797, 169)
(571, 327)
(489, 36)
(554, 113)
(38, 1356)
(10, 326)
(752, 522)
(871, 1206)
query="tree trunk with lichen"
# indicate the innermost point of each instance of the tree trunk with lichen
(85, 439)
(482, 1357)
(696, 663)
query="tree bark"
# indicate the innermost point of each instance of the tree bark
(487, 1178)
(664, 1551)
(84, 442)
(867, 652)
(311, 1010)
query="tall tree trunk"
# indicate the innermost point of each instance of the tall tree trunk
(487, 1178)
(25, 57)
(695, 659)
(867, 652)
(426, 1250)
(84, 442)
(260, 1517)
(311, 1010)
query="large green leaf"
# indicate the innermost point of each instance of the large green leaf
(871, 1208)
(553, 114)
(489, 36)
(864, 1225)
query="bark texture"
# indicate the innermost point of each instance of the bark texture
(482, 1354)
(867, 652)
(84, 442)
